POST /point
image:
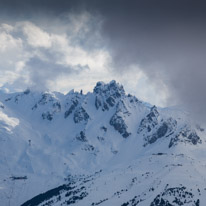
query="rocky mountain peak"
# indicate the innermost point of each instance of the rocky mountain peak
(98, 149)
(107, 95)
(112, 89)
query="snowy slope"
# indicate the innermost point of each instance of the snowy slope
(100, 148)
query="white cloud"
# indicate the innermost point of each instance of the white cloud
(11, 52)
(35, 36)
(8, 42)
(34, 54)
(70, 54)
(6, 28)
(141, 86)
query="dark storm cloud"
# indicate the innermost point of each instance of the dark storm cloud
(166, 38)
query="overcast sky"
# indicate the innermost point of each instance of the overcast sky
(155, 48)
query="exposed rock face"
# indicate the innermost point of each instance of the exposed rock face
(161, 132)
(80, 115)
(48, 103)
(47, 115)
(175, 197)
(163, 129)
(98, 102)
(105, 107)
(185, 135)
(118, 119)
(101, 139)
(46, 98)
(154, 126)
(27, 91)
(150, 121)
(19, 96)
(56, 107)
(81, 137)
(118, 123)
(71, 108)
(133, 99)
(89, 148)
(111, 101)
(44, 137)
(112, 89)
(103, 128)
(107, 95)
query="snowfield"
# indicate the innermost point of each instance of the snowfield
(104, 148)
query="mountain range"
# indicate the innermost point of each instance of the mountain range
(105, 148)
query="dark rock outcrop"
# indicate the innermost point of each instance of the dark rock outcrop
(80, 115)
(150, 121)
(47, 115)
(98, 102)
(46, 97)
(176, 196)
(184, 136)
(119, 124)
(107, 95)
(81, 137)
(71, 108)
(161, 132)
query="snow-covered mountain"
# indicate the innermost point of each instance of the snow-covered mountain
(104, 148)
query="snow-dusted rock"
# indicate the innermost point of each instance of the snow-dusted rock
(102, 148)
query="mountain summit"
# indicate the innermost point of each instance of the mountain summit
(104, 148)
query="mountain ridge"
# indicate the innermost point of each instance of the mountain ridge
(69, 146)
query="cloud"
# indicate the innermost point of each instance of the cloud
(75, 56)
(166, 40)
(36, 69)
(10, 53)
(40, 56)
(158, 45)
(35, 36)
